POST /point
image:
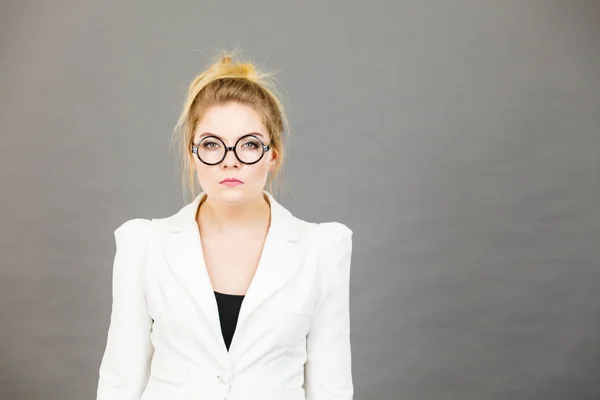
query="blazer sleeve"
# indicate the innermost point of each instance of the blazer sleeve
(328, 373)
(125, 365)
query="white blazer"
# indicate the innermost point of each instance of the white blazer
(292, 340)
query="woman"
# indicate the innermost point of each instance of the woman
(232, 297)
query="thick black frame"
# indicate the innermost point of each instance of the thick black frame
(265, 148)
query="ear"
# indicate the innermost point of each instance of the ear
(273, 162)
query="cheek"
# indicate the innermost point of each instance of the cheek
(262, 169)
(255, 174)
(203, 171)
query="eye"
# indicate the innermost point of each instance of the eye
(209, 145)
(251, 145)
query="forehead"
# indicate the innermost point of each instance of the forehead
(230, 120)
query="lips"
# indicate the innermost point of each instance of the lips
(231, 180)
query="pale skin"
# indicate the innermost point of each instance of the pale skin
(233, 221)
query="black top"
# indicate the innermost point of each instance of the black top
(229, 309)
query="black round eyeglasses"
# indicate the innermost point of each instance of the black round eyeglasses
(248, 149)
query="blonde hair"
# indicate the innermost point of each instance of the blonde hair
(224, 81)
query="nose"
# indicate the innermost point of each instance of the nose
(230, 160)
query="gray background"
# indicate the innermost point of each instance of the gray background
(458, 139)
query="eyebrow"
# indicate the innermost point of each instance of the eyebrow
(212, 134)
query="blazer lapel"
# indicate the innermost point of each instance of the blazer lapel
(280, 258)
(183, 251)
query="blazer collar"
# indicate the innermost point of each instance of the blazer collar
(283, 223)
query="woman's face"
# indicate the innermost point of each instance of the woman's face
(229, 122)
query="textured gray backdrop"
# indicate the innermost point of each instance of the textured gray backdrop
(458, 139)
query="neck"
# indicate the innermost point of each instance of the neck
(233, 219)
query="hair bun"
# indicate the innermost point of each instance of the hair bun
(225, 60)
(228, 66)
(246, 70)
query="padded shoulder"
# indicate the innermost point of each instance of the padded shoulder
(334, 234)
(137, 228)
(335, 248)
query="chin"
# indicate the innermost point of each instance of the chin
(232, 195)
